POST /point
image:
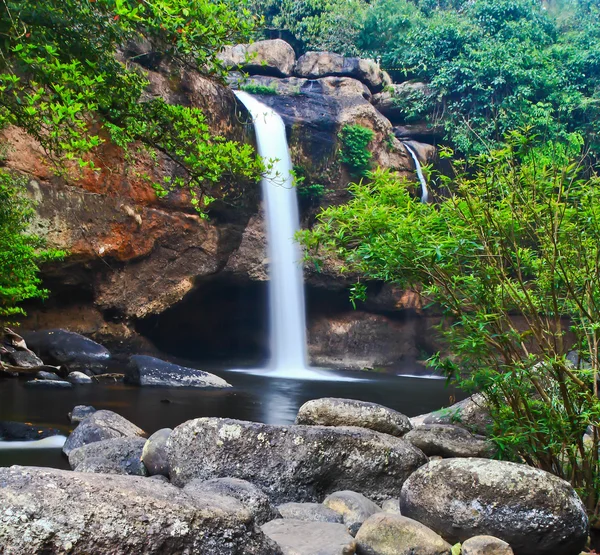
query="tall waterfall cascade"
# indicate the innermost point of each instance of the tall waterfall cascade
(422, 180)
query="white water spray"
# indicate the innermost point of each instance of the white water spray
(424, 190)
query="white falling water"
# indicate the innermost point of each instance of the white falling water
(424, 190)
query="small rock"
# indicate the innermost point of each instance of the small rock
(124, 453)
(388, 534)
(391, 506)
(101, 425)
(449, 441)
(299, 537)
(330, 411)
(43, 375)
(309, 511)
(154, 455)
(48, 384)
(354, 508)
(25, 359)
(80, 412)
(486, 545)
(79, 378)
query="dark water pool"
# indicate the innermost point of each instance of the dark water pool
(259, 398)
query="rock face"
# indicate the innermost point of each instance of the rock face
(122, 454)
(314, 512)
(331, 411)
(55, 511)
(486, 545)
(388, 534)
(155, 455)
(101, 425)
(354, 508)
(151, 371)
(449, 441)
(292, 463)
(264, 57)
(532, 510)
(299, 537)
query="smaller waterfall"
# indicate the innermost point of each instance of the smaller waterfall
(424, 190)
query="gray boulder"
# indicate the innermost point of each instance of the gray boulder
(252, 498)
(124, 454)
(24, 359)
(315, 512)
(55, 511)
(265, 57)
(292, 463)
(534, 511)
(354, 508)
(47, 384)
(299, 537)
(79, 378)
(151, 371)
(486, 545)
(80, 412)
(330, 411)
(449, 441)
(45, 375)
(154, 455)
(388, 534)
(101, 425)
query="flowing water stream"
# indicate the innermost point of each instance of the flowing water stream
(423, 181)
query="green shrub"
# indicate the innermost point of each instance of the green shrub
(354, 153)
(255, 88)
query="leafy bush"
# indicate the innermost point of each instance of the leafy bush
(253, 88)
(512, 256)
(354, 153)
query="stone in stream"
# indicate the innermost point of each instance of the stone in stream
(80, 412)
(330, 411)
(48, 384)
(102, 424)
(315, 512)
(251, 498)
(154, 455)
(25, 359)
(56, 511)
(354, 508)
(79, 378)
(122, 454)
(151, 371)
(449, 441)
(44, 375)
(292, 463)
(532, 510)
(20, 431)
(486, 545)
(300, 537)
(389, 534)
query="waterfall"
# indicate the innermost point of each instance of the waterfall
(287, 331)
(424, 190)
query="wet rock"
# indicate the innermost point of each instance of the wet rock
(124, 452)
(47, 384)
(486, 545)
(150, 371)
(55, 511)
(326, 64)
(354, 508)
(24, 359)
(309, 511)
(388, 534)
(299, 537)
(391, 506)
(80, 412)
(264, 57)
(449, 441)
(252, 498)
(43, 375)
(79, 378)
(101, 425)
(331, 411)
(534, 511)
(154, 455)
(292, 463)
(19, 431)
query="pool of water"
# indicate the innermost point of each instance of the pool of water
(255, 397)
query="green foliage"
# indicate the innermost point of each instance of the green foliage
(512, 256)
(254, 88)
(20, 250)
(60, 80)
(354, 153)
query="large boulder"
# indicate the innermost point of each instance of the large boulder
(314, 512)
(146, 370)
(123, 453)
(330, 411)
(486, 545)
(69, 349)
(354, 508)
(55, 511)
(449, 441)
(389, 534)
(101, 425)
(292, 463)
(532, 510)
(326, 64)
(265, 57)
(299, 537)
(397, 101)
